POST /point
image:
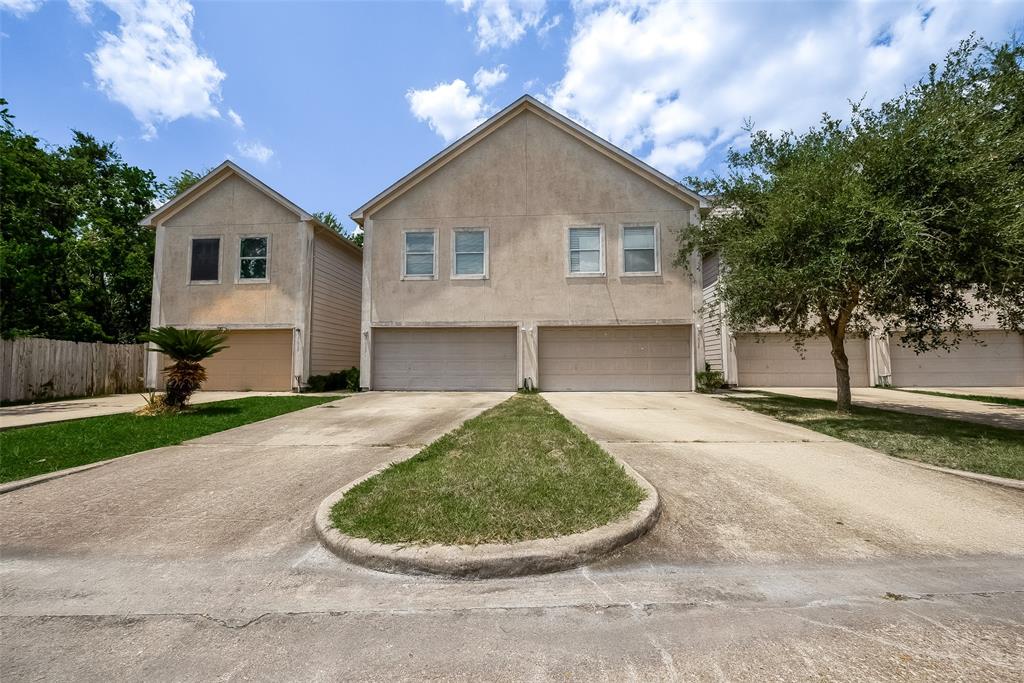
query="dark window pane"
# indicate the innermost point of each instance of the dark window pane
(254, 246)
(253, 269)
(640, 261)
(205, 259)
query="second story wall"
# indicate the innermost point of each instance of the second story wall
(526, 184)
(230, 211)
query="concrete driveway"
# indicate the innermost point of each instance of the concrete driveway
(980, 412)
(781, 554)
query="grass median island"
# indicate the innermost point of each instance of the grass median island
(516, 472)
(934, 440)
(28, 451)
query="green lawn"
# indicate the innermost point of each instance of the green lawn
(518, 471)
(28, 451)
(938, 441)
(1003, 400)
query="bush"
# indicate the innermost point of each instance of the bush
(709, 381)
(342, 380)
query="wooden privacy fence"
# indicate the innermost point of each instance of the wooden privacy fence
(48, 368)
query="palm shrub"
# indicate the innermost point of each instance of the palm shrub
(187, 348)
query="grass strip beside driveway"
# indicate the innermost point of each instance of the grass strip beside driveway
(30, 451)
(516, 472)
(934, 440)
(1002, 400)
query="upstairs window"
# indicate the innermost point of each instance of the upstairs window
(420, 254)
(639, 249)
(470, 258)
(252, 258)
(205, 262)
(586, 251)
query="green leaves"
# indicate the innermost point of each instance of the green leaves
(184, 345)
(74, 263)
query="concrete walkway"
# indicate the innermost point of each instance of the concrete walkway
(992, 414)
(782, 554)
(1004, 392)
(74, 409)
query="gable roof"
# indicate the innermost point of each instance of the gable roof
(222, 172)
(528, 103)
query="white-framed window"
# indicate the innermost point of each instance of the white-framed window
(419, 255)
(469, 253)
(586, 250)
(641, 253)
(204, 260)
(254, 258)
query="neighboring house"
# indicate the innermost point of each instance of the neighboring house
(769, 359)
(529, 252)
(232, 253)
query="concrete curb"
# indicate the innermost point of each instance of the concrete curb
(1017, 484)
(50, 476)
(490, 560)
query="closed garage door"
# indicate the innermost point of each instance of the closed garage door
(256, 360)
(997, 363)
(624, 358)
(445, 359)
(773, 362)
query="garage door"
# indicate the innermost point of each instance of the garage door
(256, 360)
(445, 359)
(998, 363)
(623, 358)
(773, 362)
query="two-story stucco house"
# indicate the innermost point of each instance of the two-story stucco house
(232, 253)
(529, 252)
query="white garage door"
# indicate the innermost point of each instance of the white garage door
(623, 358)
(999, 362)
(444, 359)
(773, 362)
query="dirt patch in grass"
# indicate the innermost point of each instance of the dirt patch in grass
(938, 441)
(29, 451)
(516, 472)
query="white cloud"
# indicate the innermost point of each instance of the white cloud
(256, 151)
(485, 79)
(235, 118)
(449, 108)
(81, 9)
(548, 25)
(502, 23)
(674, 81)
(153, 66)
(20, 8)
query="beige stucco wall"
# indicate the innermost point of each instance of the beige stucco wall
(230, 210)
(526, 183)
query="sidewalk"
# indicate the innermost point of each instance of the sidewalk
(992, 414)
(74, 409)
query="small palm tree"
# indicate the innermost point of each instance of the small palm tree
(187, 348)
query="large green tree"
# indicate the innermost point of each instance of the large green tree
(74, 263)
(907, 218)
(177, 184)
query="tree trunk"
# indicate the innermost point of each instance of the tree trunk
(843, 398)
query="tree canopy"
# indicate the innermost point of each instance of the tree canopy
(74, 263)
(177, 184)
(334, 223)
(907, 218)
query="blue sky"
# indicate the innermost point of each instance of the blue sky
(330, 102)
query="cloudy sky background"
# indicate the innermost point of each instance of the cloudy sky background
(330, 102)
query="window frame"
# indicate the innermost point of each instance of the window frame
(657, 249)
(486, 253)
(405, 246)
(239, 280)
(602, 256)
(220, 260)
